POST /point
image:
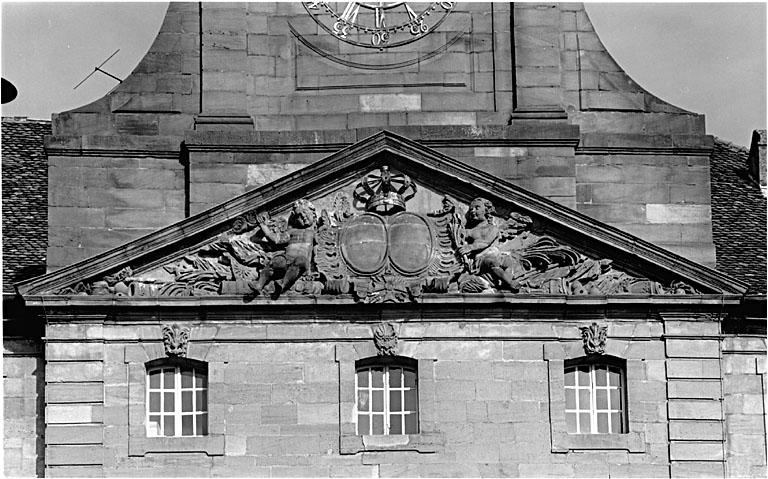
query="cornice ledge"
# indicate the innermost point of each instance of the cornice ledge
(348, 300)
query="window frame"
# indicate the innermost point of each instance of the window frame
(428, 440)
(387, 363)
(137, 357)
(556, 355)
(592, 362)
(177, 364)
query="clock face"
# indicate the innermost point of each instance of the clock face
(378, 25)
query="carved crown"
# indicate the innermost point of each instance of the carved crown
(384, 192)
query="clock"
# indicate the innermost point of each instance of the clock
(379, 25)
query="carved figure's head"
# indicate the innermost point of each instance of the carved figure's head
(480, 210)
(303, 214)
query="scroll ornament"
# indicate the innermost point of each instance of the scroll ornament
(594, 337)
(176, 341)
(385, 339)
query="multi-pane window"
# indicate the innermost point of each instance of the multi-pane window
(594, 399)
(177, 400)
(387, 399)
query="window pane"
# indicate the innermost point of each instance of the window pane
(394, 377)
(362, 401)
(154, 402)
(584, 376)
(154, 426)
(410, 378)
(600, 375)
(584, 399)
(394, 401)
(412, 423)
(615, 377)
(363, 424)
(168, 402)
(570, 377)
(615, 398)
(186, 401)
(202, 401)
(168, 378)
(377, 377)
(570, 399)
(168, 426)
(395, 424)
(602, 398)
(378, 401)
(378, 424)
(616, 423)
(202, 424)
(186, 425)
(154, 379)
(602, 422)
(584, 425)
(570, 421)
(411, 400)
(186, 378)
(362, 378)
(201, 379)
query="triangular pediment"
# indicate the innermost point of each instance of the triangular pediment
(390, 223)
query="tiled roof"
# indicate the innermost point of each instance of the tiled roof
(738, 217)
(25, 199)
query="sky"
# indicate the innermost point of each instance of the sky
(706, 57)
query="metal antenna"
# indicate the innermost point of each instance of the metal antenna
(98, 69)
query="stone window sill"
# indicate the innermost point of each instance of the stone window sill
(423, 443)
(632, 442)
(212, 445)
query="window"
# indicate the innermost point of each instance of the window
(594, 399)
(177, 399)
(387, 399)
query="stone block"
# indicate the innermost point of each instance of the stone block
(638, 470)
(694, 409)
(72, 413)
(74, 471)
(279, 414)
(75, 455)
(492, 390)
(698, 348)
(694, 389)
(696, 469)
(318, 413)
(693, 368)
(441, 118)
(618, 101)
(73, 371)
(742, 384)
(545, 470)
(73, 351)
(695, 451)
(386, 102)
(676, 213)
(696, 430)
(60, 435)
(467, 370)
(74, 393)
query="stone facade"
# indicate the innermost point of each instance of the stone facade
(158, 193)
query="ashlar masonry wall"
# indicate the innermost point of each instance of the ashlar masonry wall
(279, 400)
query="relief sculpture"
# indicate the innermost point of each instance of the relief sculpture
(365, 244)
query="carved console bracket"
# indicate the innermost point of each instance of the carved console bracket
(594, 337)
(176, 341)
(385, 339)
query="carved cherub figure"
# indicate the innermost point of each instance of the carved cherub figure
(481, 238)
(298, 241)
